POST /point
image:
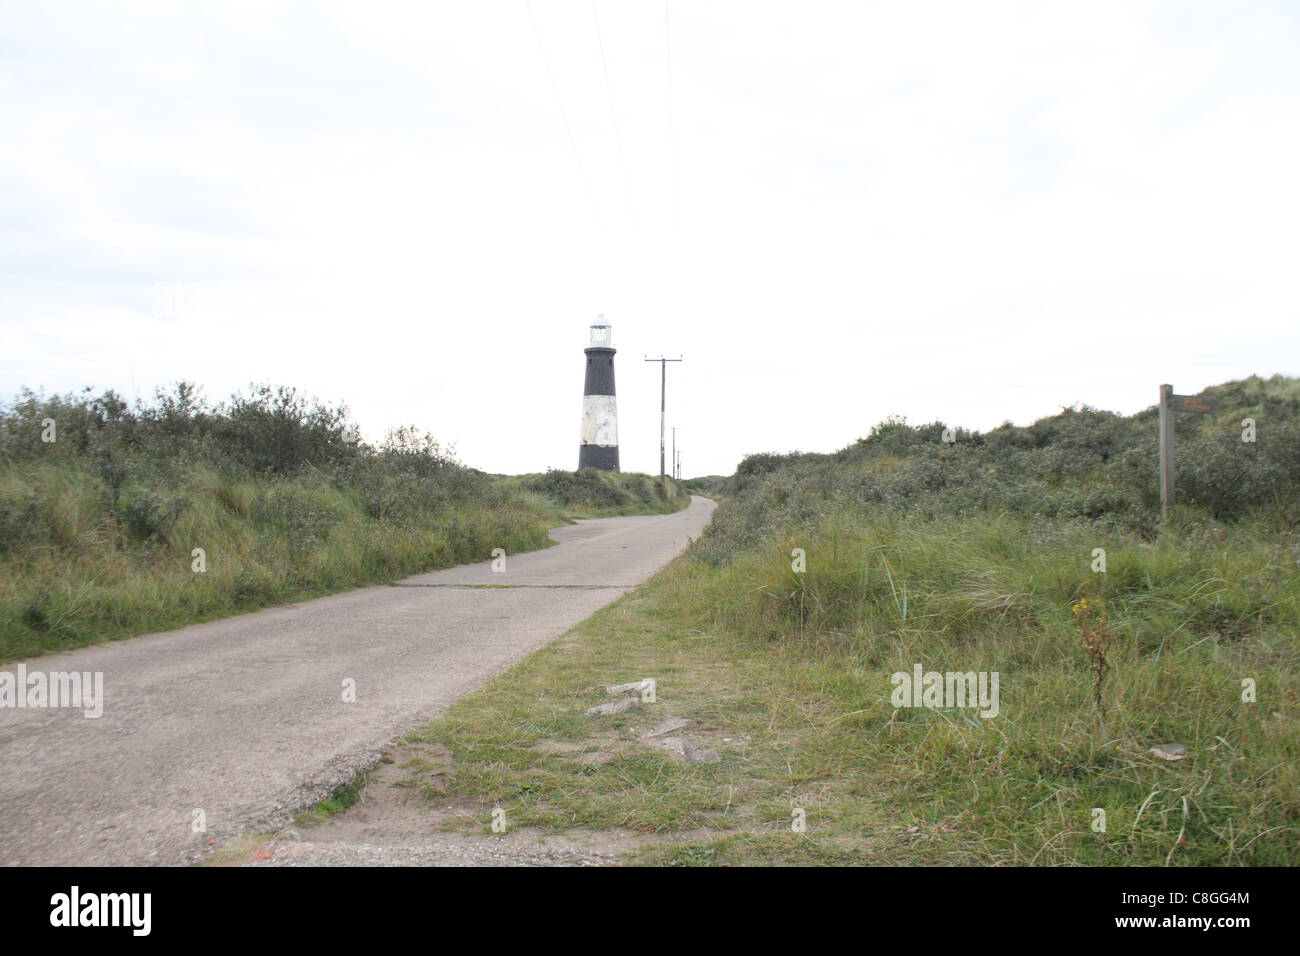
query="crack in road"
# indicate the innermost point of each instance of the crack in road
(556, 587)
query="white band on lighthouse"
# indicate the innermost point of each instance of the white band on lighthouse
(599, 420)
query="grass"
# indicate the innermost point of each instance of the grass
(974, 557)
(344, 796)
(602, 494)
(983, 556)
(119, 518)
(88, 572)
(800, 710)
(264, 543)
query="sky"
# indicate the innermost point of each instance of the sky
(833, 212)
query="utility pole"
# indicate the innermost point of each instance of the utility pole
(675, 427)
(663, 405)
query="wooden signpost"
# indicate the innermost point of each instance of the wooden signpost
(1169, 403)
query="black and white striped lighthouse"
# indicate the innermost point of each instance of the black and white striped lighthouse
(599, 447)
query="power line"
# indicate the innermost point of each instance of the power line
(672, 129)
(573, 145)
(613, 115)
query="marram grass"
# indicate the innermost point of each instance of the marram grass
(85, 575)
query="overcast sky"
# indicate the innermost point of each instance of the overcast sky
(962, 211)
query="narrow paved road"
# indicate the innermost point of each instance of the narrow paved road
(244, 718)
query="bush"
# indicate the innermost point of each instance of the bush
(1083, 463)
(22, 525)
(100, 524)
(584, 486)
(150, 517)
(1232, 478)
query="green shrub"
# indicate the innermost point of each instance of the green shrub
(149, 517)
(22, 526)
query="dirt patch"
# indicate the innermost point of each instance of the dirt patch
(592, 751)
(393, 823)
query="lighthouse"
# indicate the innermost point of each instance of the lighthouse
(599, 448)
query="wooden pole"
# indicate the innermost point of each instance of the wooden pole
(663, 392)
(1166, 451)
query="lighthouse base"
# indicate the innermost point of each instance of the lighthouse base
(602, 457)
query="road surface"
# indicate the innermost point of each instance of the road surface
(244, 721)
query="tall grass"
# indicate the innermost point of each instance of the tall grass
(1193, 615)
(100, 529)
(588, 493)
(982, 558)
